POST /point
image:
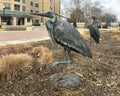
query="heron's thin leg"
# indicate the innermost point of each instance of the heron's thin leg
(57, 76)
(65, 59)
(65, 55)
(90, 41)
(70, 58)
(70, 55)
(96, 46)
(62, 62)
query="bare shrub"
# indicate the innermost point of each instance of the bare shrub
(12, 64)
(36, 51)
(44, 55)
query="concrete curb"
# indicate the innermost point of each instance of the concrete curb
(3, 43)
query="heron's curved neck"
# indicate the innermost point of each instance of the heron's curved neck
(94, 22)
(53, 37)
(50, 28)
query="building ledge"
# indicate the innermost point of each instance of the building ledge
(15, 13)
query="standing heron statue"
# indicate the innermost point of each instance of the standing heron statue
(94, 31)
(63, 33)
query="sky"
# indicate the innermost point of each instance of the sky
(111, 5)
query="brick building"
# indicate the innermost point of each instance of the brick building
(16, 12)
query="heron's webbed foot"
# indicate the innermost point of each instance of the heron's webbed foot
(57, 63)
(56, 76)
(62, 62)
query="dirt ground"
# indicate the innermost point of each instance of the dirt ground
(100, 76)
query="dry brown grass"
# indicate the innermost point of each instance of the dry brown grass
(7, 49)
(17, 48)
(11, 64)
(85, 33)
(22, 48)
(116, 30)
(46, 58)
(44, 55)
(36, 51)
(116, 37)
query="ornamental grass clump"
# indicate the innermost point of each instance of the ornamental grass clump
(43, 54)
(12, 65)
(46, 57)
(36, 51)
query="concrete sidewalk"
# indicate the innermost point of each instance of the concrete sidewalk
(16, 37)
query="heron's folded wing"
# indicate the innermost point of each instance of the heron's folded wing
(69, 36)
(94, 32)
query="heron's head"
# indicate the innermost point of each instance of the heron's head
(51, 15)
(94, 18)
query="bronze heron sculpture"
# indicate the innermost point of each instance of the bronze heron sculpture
(94, 31)
(63, 33)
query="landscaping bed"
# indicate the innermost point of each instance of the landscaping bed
(100, 76)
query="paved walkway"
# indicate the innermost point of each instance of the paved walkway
(15, 37)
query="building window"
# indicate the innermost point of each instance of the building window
(31, 3)
(7, 6)
(23, 1)
(36, 5)
(36, 21)
(36, 11)
(17, 0)
(28, 19)
(23, 8)
(31, 10)
(17, 7)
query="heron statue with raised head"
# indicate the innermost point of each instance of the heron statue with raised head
(94, 31)
(63, 33)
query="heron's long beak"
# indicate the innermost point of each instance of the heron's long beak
(61, 16)
(40, 14)
(46, 15)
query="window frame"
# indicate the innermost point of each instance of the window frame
(17, 0)
(17, 8)
(7, 6)
(36, 5)
(31, 3)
